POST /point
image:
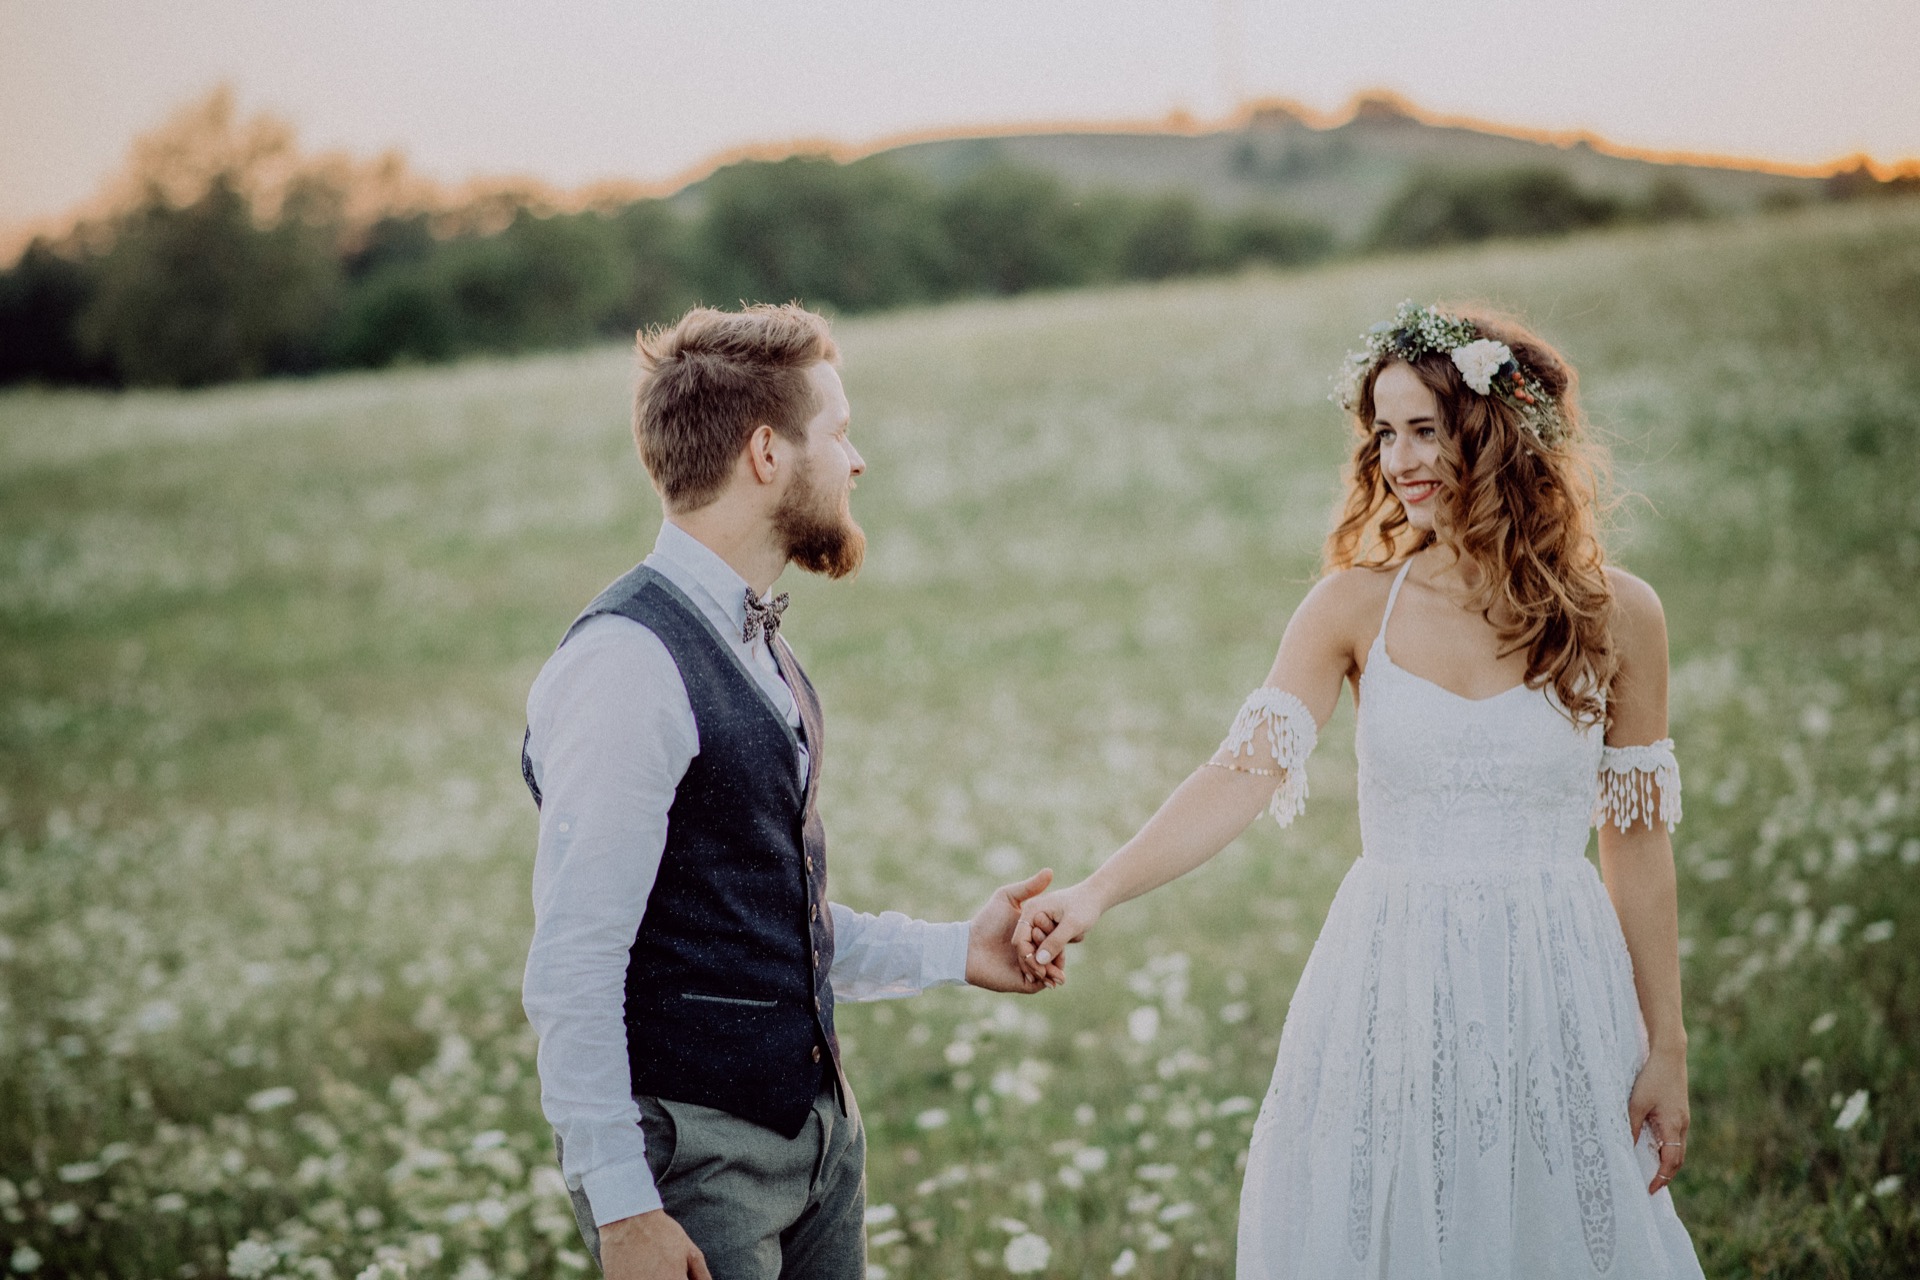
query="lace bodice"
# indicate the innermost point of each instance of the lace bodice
(1511, 776)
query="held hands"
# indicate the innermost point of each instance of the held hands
(1050, 921)
(650, 1246)
(1659, 1103)
(991, 962)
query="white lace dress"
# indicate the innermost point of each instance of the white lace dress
(1450, 1098)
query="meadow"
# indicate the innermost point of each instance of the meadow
(264, 849)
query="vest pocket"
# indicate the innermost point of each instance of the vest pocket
(733, 1000)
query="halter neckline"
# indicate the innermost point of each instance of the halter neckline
(1393, 594)
(1380, 651)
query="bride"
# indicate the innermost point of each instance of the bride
(1483, 1069)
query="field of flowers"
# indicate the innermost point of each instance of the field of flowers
(264, 850)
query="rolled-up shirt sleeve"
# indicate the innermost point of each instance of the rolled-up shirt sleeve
(610, 736)
(891, 955)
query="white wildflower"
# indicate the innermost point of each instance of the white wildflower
(169, 1202)
(1888, 1185)
(958, 1054)
(487, 1141)
(156, 1016)
(1126, 1263)
(1027, 1254)
(250, 1259)
(1853, 1112)
(26, 1259)
(86, 1171)
(932, 1118)
(1071, 1178)
(492, 1212)
(1143, 1024)
(1878, 931)
(1090, 1159)
(1236, 1105)
(1479, 361)
(271, 1099)
(877, 1272)
(64, 1214)
(1823, 1023)
(880, 1214)
(1157, 1172)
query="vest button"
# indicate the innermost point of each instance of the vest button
(816, 911)
(816, 1053)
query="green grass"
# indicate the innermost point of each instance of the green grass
(263, 656)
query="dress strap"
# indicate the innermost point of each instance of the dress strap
(1393, 594)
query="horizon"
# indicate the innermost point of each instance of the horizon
(1178, 123)
(632, 96)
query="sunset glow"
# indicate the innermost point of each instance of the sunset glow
(646, 94)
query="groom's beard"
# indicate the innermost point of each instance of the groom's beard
(818, 533)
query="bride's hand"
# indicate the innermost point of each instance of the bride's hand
(1659, 1101)
(1049, 921)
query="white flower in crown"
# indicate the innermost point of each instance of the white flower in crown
(1479, 361)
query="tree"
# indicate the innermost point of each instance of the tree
(1013, 229)
(658, 275)
(198, 294)
(41, 300)
(1274, 238)
(856, 236)
(1440, 207)
(1167, 236)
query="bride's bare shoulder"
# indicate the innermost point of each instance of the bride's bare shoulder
(1349, 601)
(1636, 605)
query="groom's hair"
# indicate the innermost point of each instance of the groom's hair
(710, 380)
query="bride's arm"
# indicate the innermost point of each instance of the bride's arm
(1639, 803)
(1263, 754)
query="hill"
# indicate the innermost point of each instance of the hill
(1340, 173)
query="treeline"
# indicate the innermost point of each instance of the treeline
(234, 258)
(216, 289)
(1440, 207)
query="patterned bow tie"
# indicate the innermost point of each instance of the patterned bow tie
(762, 615)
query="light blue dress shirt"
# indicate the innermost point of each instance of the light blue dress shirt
(611, 735)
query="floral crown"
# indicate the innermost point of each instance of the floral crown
(1487, 366)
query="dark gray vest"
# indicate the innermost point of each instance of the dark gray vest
(728, 1003)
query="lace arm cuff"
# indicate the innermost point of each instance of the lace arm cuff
(1639, 784)
(1289, 732)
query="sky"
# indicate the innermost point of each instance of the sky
(577, 91)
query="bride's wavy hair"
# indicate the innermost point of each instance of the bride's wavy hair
(1525, 511)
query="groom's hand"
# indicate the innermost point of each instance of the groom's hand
(650, 1246)
(991, 961)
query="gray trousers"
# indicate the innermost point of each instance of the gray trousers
(760, 1206)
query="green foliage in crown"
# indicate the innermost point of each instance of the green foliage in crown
(1487, 365)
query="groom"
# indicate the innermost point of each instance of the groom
(685, 958)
